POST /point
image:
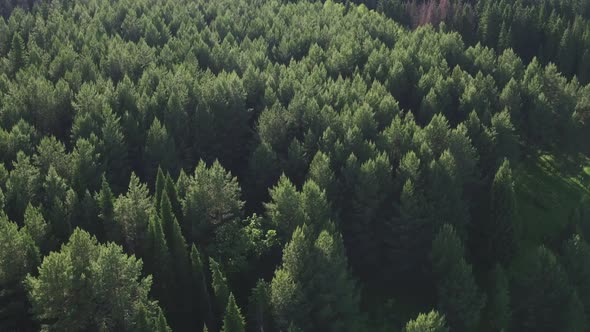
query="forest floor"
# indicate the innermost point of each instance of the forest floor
(549, 189)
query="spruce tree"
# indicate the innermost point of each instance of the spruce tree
(36, 226)
(543, 298)
(219, 284)
(259, 305)
(174, 238)
(17, 54)
(313, 289)
(161, 324)
(233, 320)
(459, 297)
(431, 322)
(498, 311)
(180, 263)
(202, 306)
(160, 183)
(499, 233)
(576, 261)
(170, 188)
(158, 261)
(106, 200)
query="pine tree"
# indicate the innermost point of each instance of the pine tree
(567, 53)
(284, 210)
(407, 251)
(161, 324)
(233, 320)
(174, 238)
(158, 261)
(202, 306)
(431, 322)
(172, 192)
(219, 284)
(91, 274)
(106, 200)
(576, 261)
(459, 297)
(17, 54)
(18, 256)
(321, 173)
(113, 150)
(160, 183)
(499, 233)
(36, 226)
(180, 263)
(313, 289)
(259, 306)
(543, 299)
(498, 310)
(160, 150)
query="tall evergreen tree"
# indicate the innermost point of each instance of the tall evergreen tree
(18, 256)
(202, 305)
(459, 297)
(576, 261)
(259, 306)
(159, 150)
(500, 232)
(17, 54)
(160, 183)
(179, 263)
(91, 276)
(498, 308)
(431, 322)
(542, 296)
(159, 262)
(171, 190)
(106, 200)
(233, 320)
(219, 285)
(37, 227)
(313, 289)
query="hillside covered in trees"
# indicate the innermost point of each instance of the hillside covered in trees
(294, 166)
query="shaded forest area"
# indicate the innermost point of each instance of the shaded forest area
(249, 165)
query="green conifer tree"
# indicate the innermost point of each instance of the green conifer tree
(459, 297)
(233, 320)
(106, 205)
(219, 284)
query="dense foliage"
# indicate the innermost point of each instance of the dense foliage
(247, 165)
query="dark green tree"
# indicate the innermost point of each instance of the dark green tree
(219, 285)
(576, 261)
(159, 263)
(179, 263)
(431, 322)
(233, 321)
(259, 307)
(543, 299)
(17, 55)
(459, 297)
(160, 183)
(106, 200)
(202, 305)
(498, 311)
(159, 150)
(132, 212)
(37, 227)
(18, 256)
(22, 186)
(500, 231)
(92, 275)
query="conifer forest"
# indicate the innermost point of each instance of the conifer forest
(295, 165)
